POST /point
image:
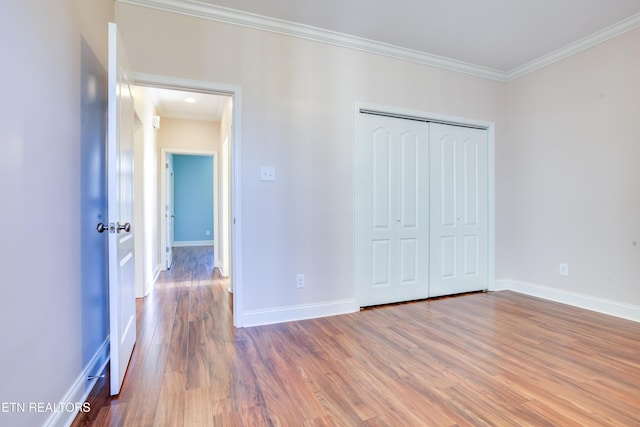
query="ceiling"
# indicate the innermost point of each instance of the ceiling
(496, 34)
(172, 104)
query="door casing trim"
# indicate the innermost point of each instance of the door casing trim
(235, 92)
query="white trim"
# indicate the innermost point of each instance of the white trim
(217, 263)
(235, 92)
(500, 285)
(81, 387)
(425, 115)
(185, 243)
(443, 118)
(232, 16)
(491, 204)
(220, 266)
(298, 312)
(588, 302)
(258, 22)
(594, 39)
(156, 273)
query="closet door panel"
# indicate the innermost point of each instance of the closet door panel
(459, 217)
(392, 175)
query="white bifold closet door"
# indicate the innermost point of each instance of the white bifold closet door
(422, 209)
(459, 211)
(393, 209)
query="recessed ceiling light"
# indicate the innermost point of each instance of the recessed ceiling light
(190, 100)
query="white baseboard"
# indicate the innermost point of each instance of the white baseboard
(149, 285)
(81, 388)
(156, 273)
(298, 312)
(600, 305)
(193, 243)
(220, 266)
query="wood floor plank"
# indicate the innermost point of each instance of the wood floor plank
(199, 408)
(170, 410)
(110, 416)
(479, 359)
(178, 342)
(198, 354)
(245, 392)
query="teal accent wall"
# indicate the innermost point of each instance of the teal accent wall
(193, 197)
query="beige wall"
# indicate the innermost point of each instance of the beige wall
(573, 173)
(298, 106)
(181, 134)
(92, 17)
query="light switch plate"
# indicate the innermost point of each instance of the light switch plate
(267, 173)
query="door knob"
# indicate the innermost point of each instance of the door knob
(126, 227)
(102, 228)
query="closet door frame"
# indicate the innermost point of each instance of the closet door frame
(360, 108)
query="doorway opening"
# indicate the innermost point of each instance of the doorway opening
(198, 119)
(193, 203)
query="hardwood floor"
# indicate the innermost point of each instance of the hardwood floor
(478, 359)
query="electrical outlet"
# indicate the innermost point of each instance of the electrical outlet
(300, 281)
(564, 270)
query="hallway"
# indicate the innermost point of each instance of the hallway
(183, 328)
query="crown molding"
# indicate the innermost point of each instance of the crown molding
(231, 16)
(594, 39)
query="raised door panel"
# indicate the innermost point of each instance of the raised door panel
(471, 181)
(408, 261)
(381, 178)
(409, 175)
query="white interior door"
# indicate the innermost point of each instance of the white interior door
(393, 209)
(459, 210)
(170, 214)
(122, 311)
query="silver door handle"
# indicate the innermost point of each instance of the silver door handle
(126, 227)
(102, 228)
